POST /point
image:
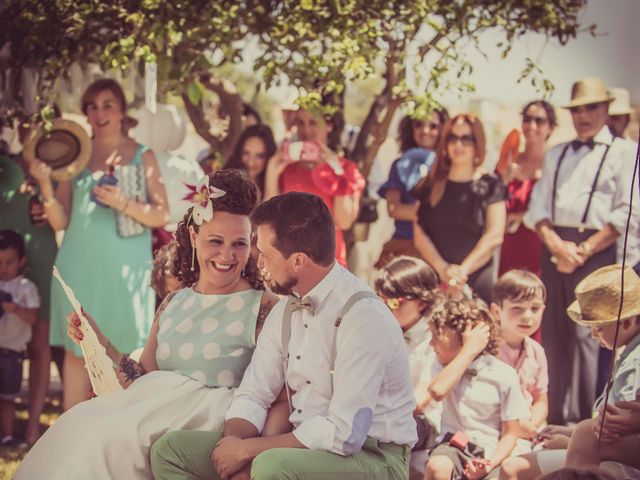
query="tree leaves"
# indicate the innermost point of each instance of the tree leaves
(320, 46)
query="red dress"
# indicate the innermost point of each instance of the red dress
(522, 248)
(323, 181)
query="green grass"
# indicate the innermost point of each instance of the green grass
(10, 458)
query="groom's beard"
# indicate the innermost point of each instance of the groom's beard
(284, 288)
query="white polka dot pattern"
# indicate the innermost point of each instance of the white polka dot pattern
(237, 353)
(164, 350)
(188, 303)
(165, 324)
(235, 329)
(209, 325)
(209, 338)
(208, 301)
(186, 351)
(211, 350)
(226, 378)
(235, 304)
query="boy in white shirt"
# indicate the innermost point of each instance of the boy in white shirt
(19, 303)
(480, 394)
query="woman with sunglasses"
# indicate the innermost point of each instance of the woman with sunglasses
(461, 216)
(418, 139)
(521, 247)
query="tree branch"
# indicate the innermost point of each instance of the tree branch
(200, 123)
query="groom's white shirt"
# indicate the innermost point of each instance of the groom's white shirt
(373, 394)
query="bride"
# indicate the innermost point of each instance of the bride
(200, 343)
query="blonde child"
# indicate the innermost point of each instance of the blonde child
(482, 401)
(19, 301)
(518, 304)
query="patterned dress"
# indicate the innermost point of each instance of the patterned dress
(205, 343)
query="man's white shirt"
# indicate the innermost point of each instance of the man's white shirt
(610, 203)
(372, 389)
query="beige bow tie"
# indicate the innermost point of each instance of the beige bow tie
(298, 303)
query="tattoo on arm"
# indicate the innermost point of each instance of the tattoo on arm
(130, 369)
(265, 308)
(163, 305)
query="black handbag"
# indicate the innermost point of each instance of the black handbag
(368, 212)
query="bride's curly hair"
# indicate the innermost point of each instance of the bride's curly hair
(240, 199)
(459, 314)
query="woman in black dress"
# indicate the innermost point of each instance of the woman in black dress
(461, 217)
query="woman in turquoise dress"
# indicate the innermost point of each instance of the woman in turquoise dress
(109, 273)
(199, 346)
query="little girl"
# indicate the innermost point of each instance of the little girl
(408, 287)
(482, 401)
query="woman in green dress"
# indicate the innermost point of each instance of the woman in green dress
(109, 273)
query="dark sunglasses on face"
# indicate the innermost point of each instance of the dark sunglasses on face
(464, 139)
(585, 108)
(533, 119)
(431, 125)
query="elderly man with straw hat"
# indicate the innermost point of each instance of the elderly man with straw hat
(579, 208)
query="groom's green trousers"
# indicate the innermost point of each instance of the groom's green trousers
(187, 455)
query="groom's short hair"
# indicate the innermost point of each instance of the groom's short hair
(302, 223)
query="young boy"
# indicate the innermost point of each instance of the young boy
(19, 303)
(518, 304)
(482, 401)
(597, 302)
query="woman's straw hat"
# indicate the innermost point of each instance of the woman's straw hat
(598, 297)
(65, 147)
(588, 90)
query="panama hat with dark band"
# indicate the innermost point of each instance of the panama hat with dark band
(65, 147)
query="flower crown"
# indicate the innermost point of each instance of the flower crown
(201, 195)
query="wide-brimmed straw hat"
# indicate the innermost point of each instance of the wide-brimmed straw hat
(65, 147)
(598, 297)
(621, 104)
(588, 90)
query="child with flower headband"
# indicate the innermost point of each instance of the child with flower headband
(481, 397)
(200, 343)
(408, 286)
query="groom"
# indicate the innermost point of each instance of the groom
(351, 397)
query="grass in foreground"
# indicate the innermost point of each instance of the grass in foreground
(10, 458)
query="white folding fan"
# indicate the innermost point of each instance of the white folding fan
(99, 365)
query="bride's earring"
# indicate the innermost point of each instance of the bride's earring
(193, 258)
